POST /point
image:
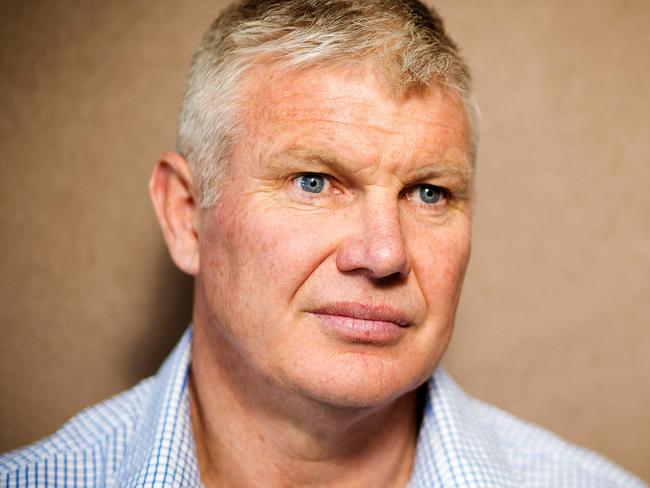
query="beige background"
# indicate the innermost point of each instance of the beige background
(554, 322)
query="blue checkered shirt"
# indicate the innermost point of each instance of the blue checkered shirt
(143, 438)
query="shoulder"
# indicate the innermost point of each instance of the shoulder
(465, 442)
(87, 449)
(543, 459)
(122, 439)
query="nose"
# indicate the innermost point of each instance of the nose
(375, 245)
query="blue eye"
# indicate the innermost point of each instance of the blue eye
(312, 182)
(430, 194)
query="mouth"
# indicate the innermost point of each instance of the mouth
(362, 323)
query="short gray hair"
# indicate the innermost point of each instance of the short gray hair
(406, 39)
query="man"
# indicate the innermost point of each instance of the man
(321, 197)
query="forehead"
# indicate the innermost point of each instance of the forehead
(350, 110)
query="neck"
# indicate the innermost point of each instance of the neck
(257, 436)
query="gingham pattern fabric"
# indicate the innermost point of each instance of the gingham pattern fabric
(143, 438)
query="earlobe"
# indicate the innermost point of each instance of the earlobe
(175, 201)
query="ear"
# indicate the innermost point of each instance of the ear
(175, 200)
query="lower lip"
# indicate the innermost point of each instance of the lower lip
(360, 330)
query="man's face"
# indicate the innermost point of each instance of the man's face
(333, 262)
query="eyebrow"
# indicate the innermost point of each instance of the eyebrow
(302, 154)
(449, 168)
(321, 159)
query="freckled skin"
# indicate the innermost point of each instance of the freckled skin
(269, 254)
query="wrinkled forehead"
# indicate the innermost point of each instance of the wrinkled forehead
(316, 102)
(355, 94)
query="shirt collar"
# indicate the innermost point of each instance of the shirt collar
(455, 445)
(162, 452)
(454, 448)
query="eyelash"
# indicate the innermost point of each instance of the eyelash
(295, 181)
(408, 193)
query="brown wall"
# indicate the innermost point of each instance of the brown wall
(554, 322)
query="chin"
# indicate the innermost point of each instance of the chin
(360, 380)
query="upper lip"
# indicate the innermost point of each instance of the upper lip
(363, 311)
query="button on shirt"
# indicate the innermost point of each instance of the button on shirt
(143, 438)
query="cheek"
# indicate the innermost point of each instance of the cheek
(440, 260)
(260, 256)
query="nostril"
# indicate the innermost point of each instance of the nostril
(390, 280)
